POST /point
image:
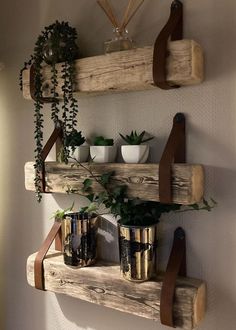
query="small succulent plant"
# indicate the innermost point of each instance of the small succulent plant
(101, 141)
(134, 138)
(74, 139)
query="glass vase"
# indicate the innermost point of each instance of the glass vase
(119, 42)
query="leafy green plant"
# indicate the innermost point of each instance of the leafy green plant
(74, 139)
(101, 141)
(134, 138)
(56, 43)
(59, 214)
(133, 212)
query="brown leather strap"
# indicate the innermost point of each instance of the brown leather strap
(56, 134)
(32, 88)
(174, 151)
(38, 263)
(176, 266)
(173, 29)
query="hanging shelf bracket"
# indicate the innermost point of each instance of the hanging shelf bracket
(56, 137)
(55, 233)
(175, 151)
(176, 266)
(173, 30)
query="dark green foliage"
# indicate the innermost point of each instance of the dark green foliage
(56, 43)
(74, 139)
(134, 138)
(101, 141)
(132, 212)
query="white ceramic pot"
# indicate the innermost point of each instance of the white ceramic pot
(135, 154)
(80, 153)
(103, 154)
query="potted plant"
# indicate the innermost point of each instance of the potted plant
(78, 151)
(135, 152)
(79, 236)
(103, 150)
(137, 223)
(56, 43)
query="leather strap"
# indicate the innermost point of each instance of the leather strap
(174, 151)
(176, 266)
(32, 88)
(38, 263)
(173, 29)
(56, 134)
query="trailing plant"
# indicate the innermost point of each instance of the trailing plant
(56, 43)
(133, 212)
(101, 141)
(134, 138)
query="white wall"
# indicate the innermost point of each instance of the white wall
(211, 120)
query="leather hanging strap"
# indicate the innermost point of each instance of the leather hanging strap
(176, 266)
(38, 263)
(174, 30)
(174, 151)
(56, 134)
(32, 88)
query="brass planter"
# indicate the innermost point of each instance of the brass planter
(79, 235)
(138, 252)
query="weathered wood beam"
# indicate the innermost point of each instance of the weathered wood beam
(142, 180)
(102, 284)
(128, 70)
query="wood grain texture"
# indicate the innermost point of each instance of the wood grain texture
(128, 70)
(142, 180)
(102, 284)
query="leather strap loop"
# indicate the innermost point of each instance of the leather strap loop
(56, 134)
(174, 151)
(38, 263)
(174, 30)
(176, 266)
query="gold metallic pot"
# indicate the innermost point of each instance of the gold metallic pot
(138, 252)
(79, 239)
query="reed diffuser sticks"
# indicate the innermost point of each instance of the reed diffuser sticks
(131, 9)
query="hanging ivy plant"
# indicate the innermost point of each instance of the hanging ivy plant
(56, 43)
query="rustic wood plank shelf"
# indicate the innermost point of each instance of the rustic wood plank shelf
(128, 70)
(103, 285)
(142, 180)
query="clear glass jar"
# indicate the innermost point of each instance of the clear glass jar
(119, 42)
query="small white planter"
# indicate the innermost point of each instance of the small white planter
(103, 154)
(135, 154)
(80, 153)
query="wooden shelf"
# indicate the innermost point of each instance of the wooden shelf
(102, 284)
(128, 70)
(141, 179)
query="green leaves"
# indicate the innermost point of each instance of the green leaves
(59, 214)
(101, 141)
(134, 138)
(106, 178)
(87, 185)
(74, 139)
